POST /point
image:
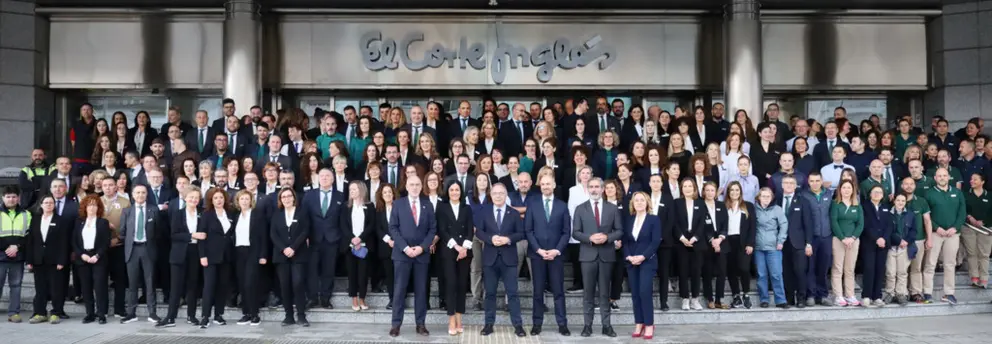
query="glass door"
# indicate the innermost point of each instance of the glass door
(450, 105)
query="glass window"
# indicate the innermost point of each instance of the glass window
(667, 104)
(212, 105)
(857, 109)
(406, 104)
(341, 103)
(309, 105)
(450, 106)
(105, 106)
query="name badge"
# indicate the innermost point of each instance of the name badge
(696, 208)
(294, 220)
(709, 222)
(954, 195)
(117, 206)
(854, 211)
(885, 210)
(339, 202)
(150, 219)
(718, 209)
(795, 209)
(51, 224)
(986, 200)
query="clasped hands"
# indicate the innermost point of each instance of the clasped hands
(636, 260)
(548, 254)
(498, 240)
(688, 242)
(598, 238)
(413, 251)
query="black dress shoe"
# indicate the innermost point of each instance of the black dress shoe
(442, 305)
(394, 332)
(166, 323)
(563, 330)
(389, 305)
(586, 331)
(478, 307)
(219, 320)
(783, 305)
(89, 319)
(536, 330)
(205, 322)
(288, 321)
(78, 299)
(102, 320)
(312, 304)
(486, 330)
(325, 303)
(608, 331)
(422, 330)
(801, 305)
(303, 321)
(519, 331)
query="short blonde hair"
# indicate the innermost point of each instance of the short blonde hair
(237, 199)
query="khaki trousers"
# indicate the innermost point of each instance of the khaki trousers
(945, 249)
(476, 271)
(843, 268)
(916, 282)
(897, 271)
(978, 247)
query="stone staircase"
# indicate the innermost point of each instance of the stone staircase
(971, 300)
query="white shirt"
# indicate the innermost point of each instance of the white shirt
(357, 220)
(734, 221)
(139, 140)
(59, 205)
(550, 202)
(389, 210)
(638, 223)
(191, 222)
(89, 234)
(454, 209)
(689, 207)
(46, 222)
(712, 210)
(340, 184)
(271, 188)
(700, 180)
(289, 217)
(489, 144)
(674, 187)
(433, 199)
(225, 223)
(701, 131)
(242, 231)
(499, 213)
(655, 204)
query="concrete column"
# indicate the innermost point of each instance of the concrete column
(961, 55)
(743, 58)
(21, 73)
(242, 54)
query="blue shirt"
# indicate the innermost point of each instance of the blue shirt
(749, 185)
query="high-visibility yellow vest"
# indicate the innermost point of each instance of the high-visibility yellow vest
(37, 171)
(14, 224)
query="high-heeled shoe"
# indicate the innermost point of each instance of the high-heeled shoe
(363, 306)
(637, 333)
(646, 335)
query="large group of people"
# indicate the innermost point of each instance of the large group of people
(265, 209)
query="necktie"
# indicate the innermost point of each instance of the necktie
(788, 202)
(262, 152)
(230, 141)
(595, 209)
(58, 207)
(609, 164)
(520, 126)
(416, 134)
(602, 123)
(830, 146)
(837, 167)
(297, 147)
(157, 194)
(392, 175)
(416, 220)
(200, 138)
(462, 180)
(182, 204)
(139, 234)
(499, 218)
(547, 209)
(325, 203)
(464, 124)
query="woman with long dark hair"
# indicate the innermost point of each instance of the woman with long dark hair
(740, 244)
(216, 256)
(384, 206)
(289, 231)
(455, 228)
(251, 251)
(142, 133)
(184, 258)
(689, 215)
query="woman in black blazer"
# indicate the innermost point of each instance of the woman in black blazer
(456, 233)
(740, 237)
(358, 226)
(691, 248)
(655, 165)
(661, 206)
(184, 258)
(216, 256)
(628, 186)
(289, 231)
(384, 206)
(715, 263)
(251, 251)
(90, 241)
(142, 124)
(47, 255)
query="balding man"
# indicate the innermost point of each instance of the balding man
(947, 205)
(412, 229)
(417, 126)
(515, 131)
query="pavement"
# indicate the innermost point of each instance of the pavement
(942, 329)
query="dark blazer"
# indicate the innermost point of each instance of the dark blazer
(598, 163)
(129, 229)
(469, 186)
(507, 181)
(100, 245)
(682, 220)
(258, 235)
(408, 232)
(544, 231)
(511, 227)
(720, 220)
(423, 129)
(455, 126)
(823, 157)
(584, 226)
(748, 227)
(54, 249)
(648, 239)
(381, 231)
(592, 124)
(712, 134)
(181, 236)
(878, 224)
(255, 151)
(628, 134)
(146, 145)
(327, 228)
(183, 129)
(165, 194)
(284, 162)
(70, 210)
(801, 221)
(192, 141)
(449, 228)
(509, 140)
(368, 235)
(908, 231)
(294, 236)
(241, 142)
(218, 247)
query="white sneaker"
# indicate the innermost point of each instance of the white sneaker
(866, 302)
(695, 305)
(685, 304)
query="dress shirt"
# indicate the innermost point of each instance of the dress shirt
(700, 180)
(467, 244)
(638, 223)
(711, 209)
(340, 183)
(597, 206)
(225, 223)
(357, 220)
(66, 179)
(734, 221)
(832, 172)
(139, 140)
(674, 188)
(46, 221)
(191, 222)
(701, 131)
(89, 233)
(550, 202)
(242, 236)
(489, 144)
(389, 210)
(889, 176)
(689, 212)
(289, 217)
(655, 203)
(59, 205)
(749, 185)
(499, 213)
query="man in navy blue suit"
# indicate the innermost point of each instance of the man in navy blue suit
(798, 245)
(323, 207)
(412, 228)
(823, 151)
(500, 227)
(548, 227)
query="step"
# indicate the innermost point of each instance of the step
(621, 317)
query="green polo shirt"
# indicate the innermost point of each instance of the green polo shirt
(923, 185)
(870, 183)
(955, 175)
(846, 222)
(948, 208)
(979, 207)
(919, 207)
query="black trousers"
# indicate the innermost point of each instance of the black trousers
(666, 255)
(454, 281)
(185, 280)
(292, 280)
(118, 273)
(358, 275)
(246, 269)
(436, 269)
(162, 276)
(93, 280)
(77, 284)
(794, 263)
(322, 268)
(216, 281)
(873, 277)
(49, 285)
(715, 266)
(739, 266)
(573, 258)
(690, 268)
(386, 268)
(619, 270)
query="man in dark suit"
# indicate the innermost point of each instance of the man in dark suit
(228, 110)
(520, 200)
(323, 207)
(174, 118)
(500, 227)
(418, 127)
(412, 229)
(892, 173)
(237, 138)
(823, 151)
(516, 131)
(457, 126)
(600, 121)
(798, 244)
(138, 229)
(159, 193)
(200, 138)
(392, 170)
(274, 146)
(548, 226)
(462, 163)
(597, 225)
(68, 210)
(63, 171)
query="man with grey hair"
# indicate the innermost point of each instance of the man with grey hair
(513, 132)
(500, 227)
(597, 225)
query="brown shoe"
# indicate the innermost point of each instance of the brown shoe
(711, 305)
(394, 332)
(422, 330)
